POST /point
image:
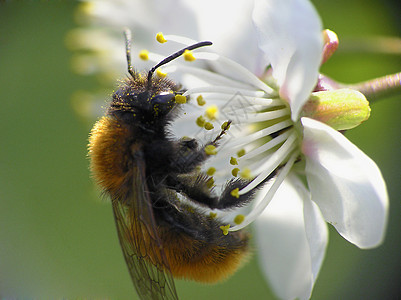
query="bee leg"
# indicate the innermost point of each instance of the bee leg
(196, 188)
(198, 191)
(223, 131)
(228, 199)
(190, 155)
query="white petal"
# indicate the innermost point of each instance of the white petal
(289, 33)
(346, 184)
(147, 17)
(316, 233)
(291, 257)
(229, 26)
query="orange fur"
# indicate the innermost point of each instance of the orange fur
(109, 150)
(200, 261)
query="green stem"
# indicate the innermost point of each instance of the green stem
(379, 88)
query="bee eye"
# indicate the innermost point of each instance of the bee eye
(163, 99)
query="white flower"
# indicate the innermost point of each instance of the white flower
(345, 187)
(321, 176)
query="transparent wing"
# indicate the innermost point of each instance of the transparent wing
(140, 242)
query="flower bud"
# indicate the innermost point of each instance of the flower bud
(330, 44)
(341, 109)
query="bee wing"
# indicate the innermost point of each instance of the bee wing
(140, 242)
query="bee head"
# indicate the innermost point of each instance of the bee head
(153, 104)
(136, 100)
(162, 103)
(146, 98)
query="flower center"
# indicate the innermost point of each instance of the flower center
(261, 144)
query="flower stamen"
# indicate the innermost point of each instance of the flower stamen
(144, 54)
(251, 138)
(188, 55)
(179, 39)
(230, 67)
(160, 38)
(211, 112)
(271, 163)
(224, 90)
(268, 194)
(160, 73)
(267, 146)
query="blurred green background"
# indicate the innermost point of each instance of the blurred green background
(57, 236)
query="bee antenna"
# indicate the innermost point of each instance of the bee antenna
(174, 56)
(127, 36)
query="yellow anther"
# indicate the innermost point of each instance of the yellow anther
(246, 174)
(235, 172)
(225, 229)
(210, 150)
(241, 153)
(200, 121)
(239, 219)
(233, 161)
(180, 99)
(211, 112)
(200, 100)
(160, 38)
(211, 171)
(213, 215)
(188, 55)
(208, 126)
(144, 54)
(160, 73)
(235, 193)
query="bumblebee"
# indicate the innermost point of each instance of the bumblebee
(157, 191)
